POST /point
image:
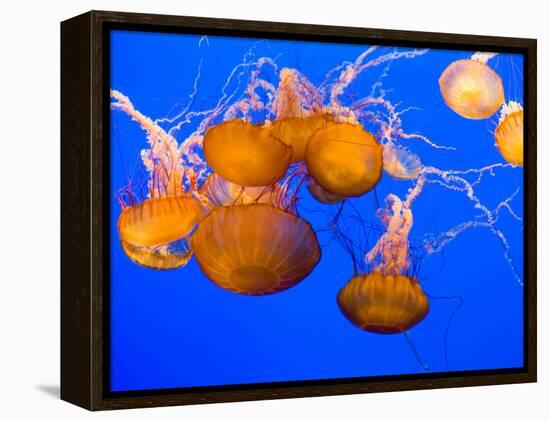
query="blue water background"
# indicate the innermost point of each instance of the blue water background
(177, 329)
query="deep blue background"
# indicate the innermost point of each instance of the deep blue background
(177, 329)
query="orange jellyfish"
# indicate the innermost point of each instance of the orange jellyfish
(344, 159)
(246, 154)
(471, 88)
(220, 192)
(383, 304)
(509, 133)
(400, 163)
(255, 249)
(386, 300)
(152, 231)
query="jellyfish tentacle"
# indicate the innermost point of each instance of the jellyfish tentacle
(414, 351)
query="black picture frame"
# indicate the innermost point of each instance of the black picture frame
(84, 209)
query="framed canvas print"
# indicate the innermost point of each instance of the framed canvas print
(255, 210)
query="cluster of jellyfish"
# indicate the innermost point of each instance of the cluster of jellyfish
(228, 193)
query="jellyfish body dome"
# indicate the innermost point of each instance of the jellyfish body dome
(400, 163)
(344, 159)
(383, 304)
(220, 192)
(255, 249)
(509, 133)
(160, 221)
(246, 154)
(471, 89)
(159, 258)
(296, 131)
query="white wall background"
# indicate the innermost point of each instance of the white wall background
(29, 209)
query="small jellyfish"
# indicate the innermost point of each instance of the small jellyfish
(383, 304)
(400, 163)
(471, 88)
(160, 221)
(509, 133)
(322, 195)
(246, 154)
(159, 258)
(387, 300)
(220, 192)
(255, 249)
(344, 159)
(150, 231)
(296, 132)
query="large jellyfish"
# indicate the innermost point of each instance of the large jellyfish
(246, 154)
(509, 133)
(471, 88)
(344, 159)
(255, 249)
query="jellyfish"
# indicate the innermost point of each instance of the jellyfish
(383, 303)
(157, 258)
(220, 192)
(471, 88)
(509, 133)
(255, 249)
(387, 299)
(344, 159)
(322, 195)
(148, 228)
(400, 163)
(246, 154)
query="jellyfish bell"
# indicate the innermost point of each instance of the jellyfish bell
(221, 192)
(400, 163)
(471, 88)
(322, 195)
(344, 159)
(509, 133)
(160, 221)
(156, 258)
(246, 154)
(383, 303)
(296, 131)
(255, 249)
